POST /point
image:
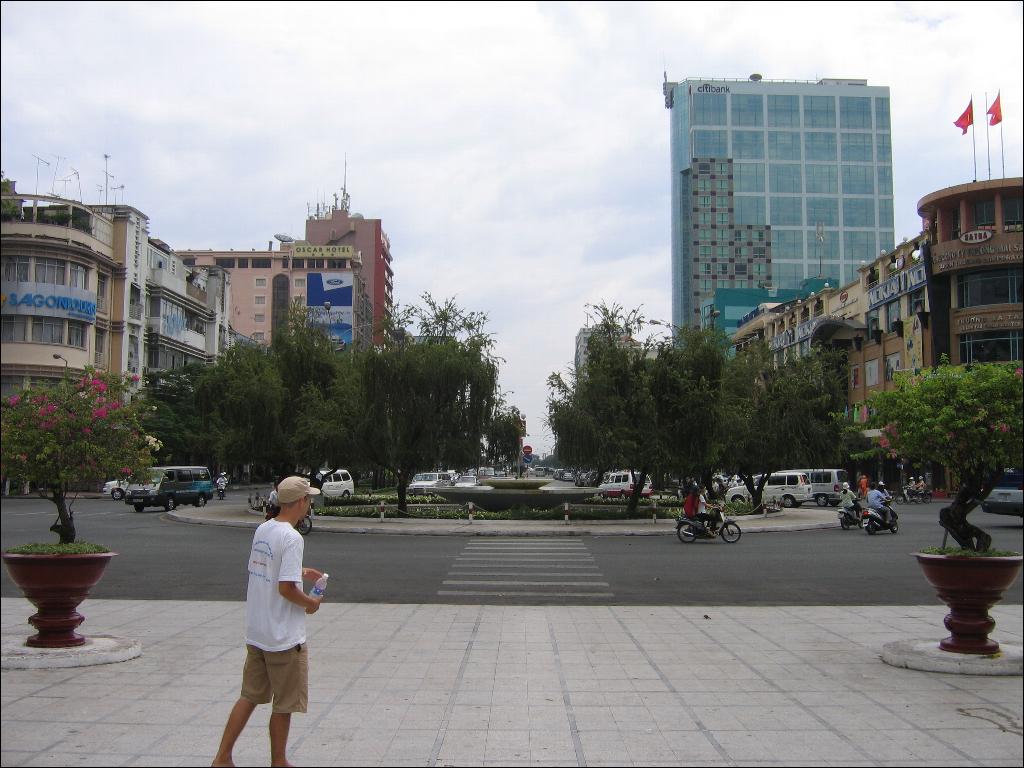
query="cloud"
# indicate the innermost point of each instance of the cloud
(516, 153)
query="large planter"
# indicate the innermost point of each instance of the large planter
(969, 586)
(56, 585)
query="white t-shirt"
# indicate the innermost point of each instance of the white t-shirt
(271, 622)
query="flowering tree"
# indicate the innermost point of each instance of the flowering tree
(968, 418)
(77, 431)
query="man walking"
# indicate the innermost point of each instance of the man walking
(276, 664)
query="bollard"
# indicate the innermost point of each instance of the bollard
(567, 513)
(382, 511)
(654, 515)
(471, 511)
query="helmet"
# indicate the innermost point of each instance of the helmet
(846, 486)
(881, 484)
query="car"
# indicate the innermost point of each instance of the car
(466, 481)
(169, 487)
(337, 483)
(1005, 498)
(620, 483)
(115, 489)
(790, 487)
(424, 482)
(585, 479)
(826, 484)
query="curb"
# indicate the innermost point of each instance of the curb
(926, 656)
(98, 649)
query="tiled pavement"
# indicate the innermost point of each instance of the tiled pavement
(494, 685)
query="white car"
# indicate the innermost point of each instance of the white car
(424, 482)
(620, 483)
(791, 488)
(115, 488)
(466, 481)
(338, 484)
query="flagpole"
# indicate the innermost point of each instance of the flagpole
(974, 140)
(1002, 147)
(988, 146)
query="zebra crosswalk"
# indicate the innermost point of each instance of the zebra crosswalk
(525, 568)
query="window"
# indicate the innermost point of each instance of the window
(857, 148)
(723, 268)
(789, 244)
(749, 177)
(242, 264)
(884, 180)
(859, 246)
(785, 178)
(787, 275)
(819, 146)
(858, 180)
(916, 301)
(885, 215)
(871, 373)
(750, 210)
(787, 211)
(298, 263)
(710, 143)
(708, 109)
(783, 145)
(704, 201)
(17, 268)
(855, 112)
(823, 210)
(858, 212)
(990, 346)
(854, 376)
(259, 300)
(1013, 213)
(954, 222)
(225, 263)
(50, 271)
(991, 286)
(258, 336)
(15, 328)
(47, 330)
(884, 143)
(79, 276)
(748, 145)
(262, 263)
(747, 109)
(819, 112)
(882, 114)
(260, 318)
(101, 341)
(76, 334)
(784, 111)
(892, 315)
(985, 213)
(892, 364)
(261, 282)
(822, 179)
(722, 219)
(300, 282)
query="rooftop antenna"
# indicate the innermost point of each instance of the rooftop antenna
(115, 190)
(53, 184)
(345, 199)
(79, 178)
(107, 178)
(99, 192)
(38, 161)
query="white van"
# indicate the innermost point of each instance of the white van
(791, 487)
(826, 484)
(338, 483)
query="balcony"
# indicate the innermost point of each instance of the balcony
(135, 312)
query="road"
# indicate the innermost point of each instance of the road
(162, 559)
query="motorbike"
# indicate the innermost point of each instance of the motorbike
(852, 516)
(874, 522)
(220, 493)
(262, 504)
(910, 495)
(690, 530)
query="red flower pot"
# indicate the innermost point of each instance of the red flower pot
(969, 586)
(55, 585)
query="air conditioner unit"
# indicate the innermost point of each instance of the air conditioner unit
(898, 327)
(876, 336)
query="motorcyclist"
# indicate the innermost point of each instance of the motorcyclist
(222, 482)
(696, 508)
(878, 500)
(920, 486)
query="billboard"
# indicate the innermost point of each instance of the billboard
(335, 288)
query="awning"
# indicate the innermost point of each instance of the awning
(834, 329)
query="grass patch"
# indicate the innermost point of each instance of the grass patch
(75, 548)
(960, 552)
(516, 513)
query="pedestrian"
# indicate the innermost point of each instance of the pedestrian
(863, 485)
(276, 665)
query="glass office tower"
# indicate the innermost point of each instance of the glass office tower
(774, 182)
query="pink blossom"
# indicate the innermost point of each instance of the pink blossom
(114, 405)
(14, 399)
(126, 470)
(884, 442)
(1004, 427)
(135, 377)
(86, 431)
(100, 413)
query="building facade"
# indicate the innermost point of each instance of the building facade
(774, 182)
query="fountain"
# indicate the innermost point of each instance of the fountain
(497, 494)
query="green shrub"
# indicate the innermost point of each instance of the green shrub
(959, 552)
(74, 548)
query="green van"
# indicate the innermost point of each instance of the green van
(170, 486)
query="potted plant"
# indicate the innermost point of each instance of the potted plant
(58, 438)
(969, 419)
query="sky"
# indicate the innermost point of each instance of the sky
(517, 154)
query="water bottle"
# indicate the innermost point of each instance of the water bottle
(320, 587)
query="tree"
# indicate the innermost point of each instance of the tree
(428, 402)
(503, 435)
(172, 416)
(605, 414)
(967, 418)
(80, 430)
(779, 416)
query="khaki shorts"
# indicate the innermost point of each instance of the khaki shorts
(279, 675)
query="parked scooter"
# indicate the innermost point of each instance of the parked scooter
(852, 516)
(874, 522)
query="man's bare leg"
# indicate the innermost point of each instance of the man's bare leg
(280, 722)
(240, 714)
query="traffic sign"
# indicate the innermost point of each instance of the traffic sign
(527, 450)
(527, 458)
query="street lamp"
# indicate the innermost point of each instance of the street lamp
(61, 357)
